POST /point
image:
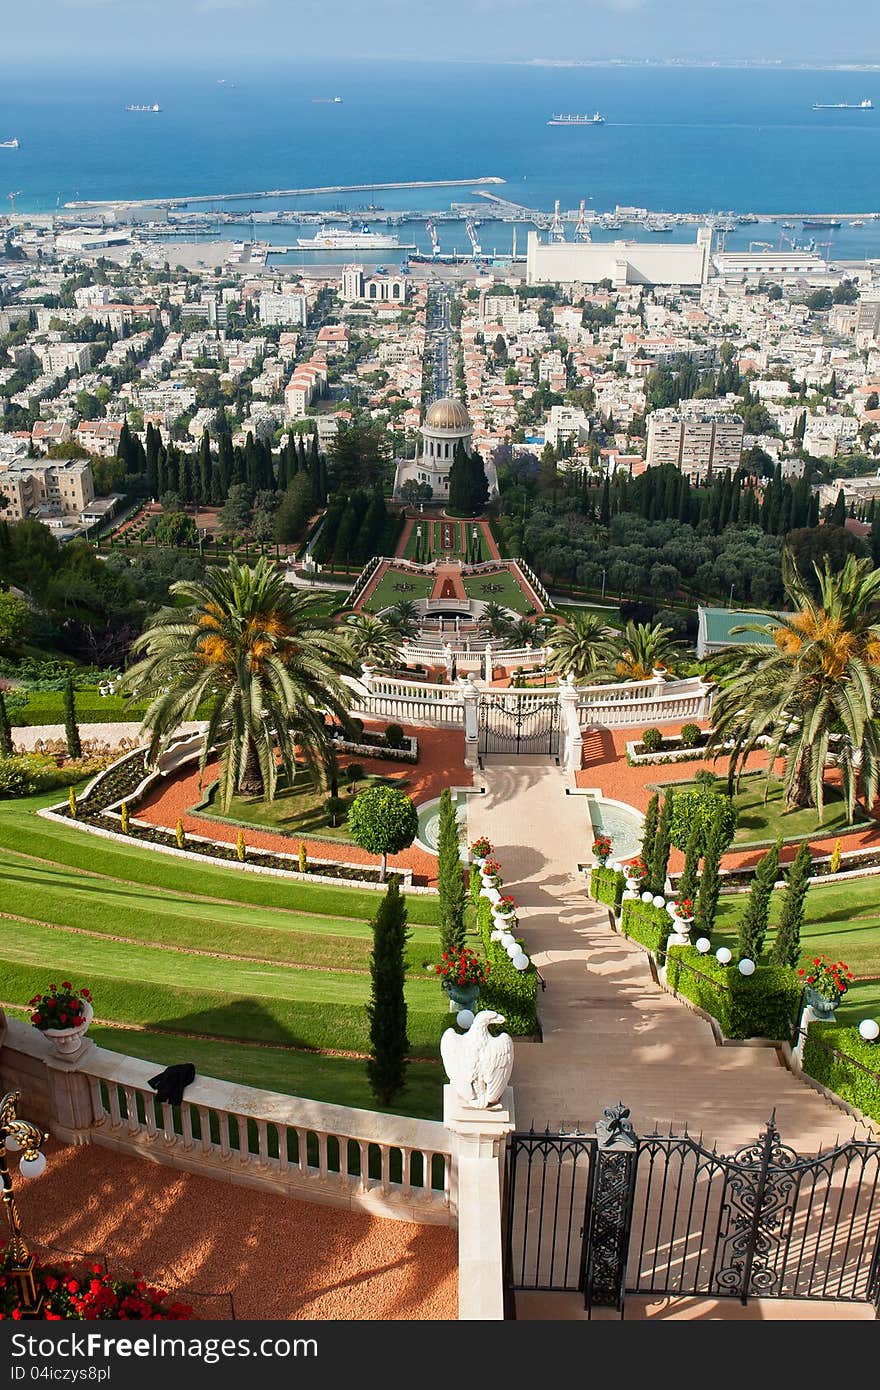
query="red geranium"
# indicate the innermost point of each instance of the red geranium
(463, 968)
(830, 979)
(89, 1293)
(60, 1008)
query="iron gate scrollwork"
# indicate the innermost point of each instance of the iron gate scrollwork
(512, 724)
(662, 1214)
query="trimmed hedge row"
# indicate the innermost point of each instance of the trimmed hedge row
(840, 1059)
(47, 707)
(513, 993)
(763, 1005)
(646, 924)
(606, 886)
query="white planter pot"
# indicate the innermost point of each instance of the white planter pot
(503, 917)
(491, 880)
(633, 885)
(69, 1042)
(479, 863)
(682, 925)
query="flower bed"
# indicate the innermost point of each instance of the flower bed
(511, 992)
(837, 1057)
(645, 923)
(606, 886)
(88, 1292)
(370, 745)
(763, 1005)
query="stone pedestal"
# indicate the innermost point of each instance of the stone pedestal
(480, 1138)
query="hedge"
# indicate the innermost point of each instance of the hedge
(606, 886)
(763, 1005)
(840, 1059)
(513, 993)
(646, 924)
(47, 707)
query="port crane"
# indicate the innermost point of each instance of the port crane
(476, 248)
(557, 231)
(582, 231)
(435, 240)
(12, 197)
(760, 246)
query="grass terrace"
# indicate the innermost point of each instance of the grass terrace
(396, 585)
(500, 587)
(255, 979)
(759, 823)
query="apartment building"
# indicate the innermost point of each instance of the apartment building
(283, 310)
(55, 487)
(697, 442)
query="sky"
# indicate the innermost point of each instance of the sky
(194, 32)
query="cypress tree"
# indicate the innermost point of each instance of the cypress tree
(687, 884)
(203, 477)
(649, 834)
(787, 943)
(660, 854)
(710, 880)
(386, 1069)
(449, 877)
(5, 728)
(753, 926)
(71, 732)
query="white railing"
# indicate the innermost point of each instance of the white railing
(659, 709)
(326, 1153)
(448, 605)
(532, 579)
(362, 581)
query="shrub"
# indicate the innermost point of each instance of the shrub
(180, 834)
(240, 848)
(71, 801)
(690, 735)
(606, 886)
(386, 1010)
(753, 923)
(86, 1292)
(840, 1059)
(125, 819)
(355, 772)
(511, 992)
(335, 806)
(27, 774)
(383, 820)
(836, 854)
(660, 857)
(450, 882)
(303, 858)
(763, 1005)
(394, 736)
(476, 884)
(787, 941)
(702, 804)
(652, 740)
(646, 924)
(5, 729)
(710, 879)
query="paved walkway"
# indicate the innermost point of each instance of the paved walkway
(611, 1033)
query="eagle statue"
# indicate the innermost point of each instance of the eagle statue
(478, 1065)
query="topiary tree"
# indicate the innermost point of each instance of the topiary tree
(753, 924)
(690, 735)
(660, 854)
(786, 948)
(710, 880)
(649, 832)
(449, 876)
(383, 820)
(71, 731)
(652, 740)
(386, 1010)
(687, 884)
(240, 847)
(702, 805)
(71, 801)
(180, 834)
(5, 729)
(394, 736)
(303, 858)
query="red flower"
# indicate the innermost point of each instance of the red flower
(65, 984)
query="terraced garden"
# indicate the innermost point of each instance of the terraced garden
(253, 978)
(500, 587)
(396, 585)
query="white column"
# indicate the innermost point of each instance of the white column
(480, 1138)
(469, 695)
(487, 664)
(573, 742)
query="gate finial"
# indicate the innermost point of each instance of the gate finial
(614, 1130)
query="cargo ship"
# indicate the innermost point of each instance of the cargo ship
(866, 105)
(341, 239)
(154, 107)
(821, 223)
(595, 119)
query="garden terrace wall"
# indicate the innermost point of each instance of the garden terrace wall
(645, 923)
(840, 1060)
(606, 886)
(763, 1005)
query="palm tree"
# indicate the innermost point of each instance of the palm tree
(404, 618)
(375, 641)
(253, 654)
(496, 619)
(817, 682)
(580, 646)
(523, 631)
(641, 649)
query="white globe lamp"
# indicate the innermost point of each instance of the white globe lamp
(722, 955)
(464, 1018)
(659, 900)
(704, 945)
(33, 1166)
(647, 897)
(746, 967)
(520, 961)
(869, 1029)
(513, 949)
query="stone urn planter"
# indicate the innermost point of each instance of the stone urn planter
(490, 880)
(823, 1008)
(461, 996)
(69, 1042)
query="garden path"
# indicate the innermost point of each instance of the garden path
(610, 1032)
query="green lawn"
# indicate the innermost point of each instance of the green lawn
(432, 532)
(609, 616)
(300, 810)
(397, 585)
(228, 960)
(500, 587)
(842, 921)
(759, 823)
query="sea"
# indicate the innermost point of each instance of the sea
(675, 140)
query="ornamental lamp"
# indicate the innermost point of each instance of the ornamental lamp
(659, 900)
(704, 945)
(521, 962)
(746, 967)
(647, 897)
(464, 1018)
(869, 1029)
(723, 956)
(32, 1165)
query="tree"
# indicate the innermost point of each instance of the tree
(375, 641)
(641, 649)
(687, 884)
(819, 677)
(359, 456)
(389, 1044)
(71, 731)
(295, 509)
(580, 647)
(235, 514)
(175, 529)
(413, 491)
(5, 728)
(450, 882)
(753, 923)
(699, 808)
(15, 622)
(383, 820)
(710, 881)
(256, 658)
(660, 853)
(786, 947)
(649, 832)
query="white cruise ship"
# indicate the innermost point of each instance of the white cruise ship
(342, 239)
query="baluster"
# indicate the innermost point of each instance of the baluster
(205, 1128)
(150, 1115)
(364, 1148)
(168, 1129)
(406, 1157)
(283, 1159)
(225, 1149)
(113, 1099)
(134, 1123)
(263, 1142)
(385, 1178)
(322, 1153)
(186, 1121)
(426, 1172)
(302, 1149)
(99, 1114)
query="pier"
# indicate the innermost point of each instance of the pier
(84, 205)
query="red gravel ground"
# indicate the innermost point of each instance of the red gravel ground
(441, 764)
(279, 1258)
(604, 765)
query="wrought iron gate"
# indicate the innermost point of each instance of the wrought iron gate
(612, 1213)
(513, 724)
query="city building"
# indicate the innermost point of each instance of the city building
(447, 425)
(567, 425)
(714, 629)
(45, 488)
(357, 285)
(697, 442)
(283, 310)
(621, 262)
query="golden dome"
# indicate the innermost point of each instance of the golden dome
(448, 414)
